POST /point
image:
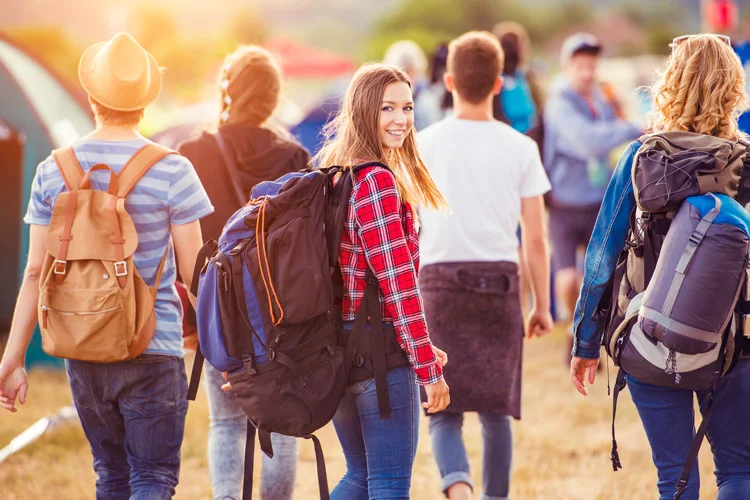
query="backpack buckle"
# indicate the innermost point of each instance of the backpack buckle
(60, 266)
(121, 268)
(359, 361)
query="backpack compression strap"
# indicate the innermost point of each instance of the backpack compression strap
(69, 167)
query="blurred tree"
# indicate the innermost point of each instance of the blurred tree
(661, 23)
(247, 28)
(430, 21)
(154, 27)
(53, 46)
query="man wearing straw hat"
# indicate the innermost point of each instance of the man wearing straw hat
(132, 412)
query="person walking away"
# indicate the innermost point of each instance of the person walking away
(373, 137)
(519, 104)
(696, 102)
(580, 130)
(469, 279)
(132, 411)
(246, 149)
(520, 101)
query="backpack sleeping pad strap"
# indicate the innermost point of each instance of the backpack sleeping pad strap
(619, 386)
(69, 167)
(200, 262)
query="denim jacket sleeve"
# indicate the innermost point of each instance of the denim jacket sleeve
(607, 241)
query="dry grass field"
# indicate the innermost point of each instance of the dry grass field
(562, 445)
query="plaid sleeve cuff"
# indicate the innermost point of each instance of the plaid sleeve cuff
(429, 374)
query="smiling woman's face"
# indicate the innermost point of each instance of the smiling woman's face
(396, 115)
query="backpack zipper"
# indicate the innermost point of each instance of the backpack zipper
(45, 309)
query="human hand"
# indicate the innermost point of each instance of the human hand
(441, 355)
(13, 384)
(539, 323)
(578, 369)
(226, 387)
(438, 397)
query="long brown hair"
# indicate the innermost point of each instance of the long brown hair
(352, 137)
(702, 89)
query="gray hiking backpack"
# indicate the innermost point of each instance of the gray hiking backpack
(673, 314)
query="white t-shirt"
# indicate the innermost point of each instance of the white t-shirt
(483, 169)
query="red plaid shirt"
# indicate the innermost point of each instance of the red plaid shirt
(379, 231)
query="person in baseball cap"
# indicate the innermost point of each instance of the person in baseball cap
(582, 125)
(579, 43)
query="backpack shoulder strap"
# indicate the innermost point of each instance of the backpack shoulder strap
(70, 168)
(230, 162)
(138, 165)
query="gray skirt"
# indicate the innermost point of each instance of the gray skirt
(474, 314)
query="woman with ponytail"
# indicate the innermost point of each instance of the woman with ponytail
(246, 149)
(373, 137)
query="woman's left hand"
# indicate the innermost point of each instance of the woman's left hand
(441, 355)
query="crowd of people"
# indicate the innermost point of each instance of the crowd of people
(484, 187)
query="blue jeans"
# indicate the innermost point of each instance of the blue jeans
(226, 448)
(668, 418)
(453, 462)
(133, 415)
(379, 452)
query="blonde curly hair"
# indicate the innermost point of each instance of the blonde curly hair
(702, 89)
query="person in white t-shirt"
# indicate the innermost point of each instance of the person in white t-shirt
(492, 178)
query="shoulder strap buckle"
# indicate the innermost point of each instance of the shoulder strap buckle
(121, 268)
(60, 266)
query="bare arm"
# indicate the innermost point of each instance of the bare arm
(188, 241)
(536, 254)
(12, 374)
(25, 313)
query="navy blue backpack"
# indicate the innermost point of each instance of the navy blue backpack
(268, 309)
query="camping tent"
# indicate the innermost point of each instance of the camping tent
(38, 113)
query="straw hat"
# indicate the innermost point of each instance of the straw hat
(120, 74)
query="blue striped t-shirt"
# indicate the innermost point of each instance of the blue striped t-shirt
(169, 194)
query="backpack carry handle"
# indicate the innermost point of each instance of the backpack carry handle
(113, 184)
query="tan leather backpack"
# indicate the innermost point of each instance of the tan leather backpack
(93, 304)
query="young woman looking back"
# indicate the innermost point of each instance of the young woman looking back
(376, 124)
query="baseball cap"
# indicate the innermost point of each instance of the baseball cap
(579, 42)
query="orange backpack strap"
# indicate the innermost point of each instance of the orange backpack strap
(138, 165)
(69, 167)
(159, 271)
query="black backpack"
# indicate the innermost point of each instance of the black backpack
(268, 312)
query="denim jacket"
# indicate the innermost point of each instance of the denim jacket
(607, 241)
(577, 144)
